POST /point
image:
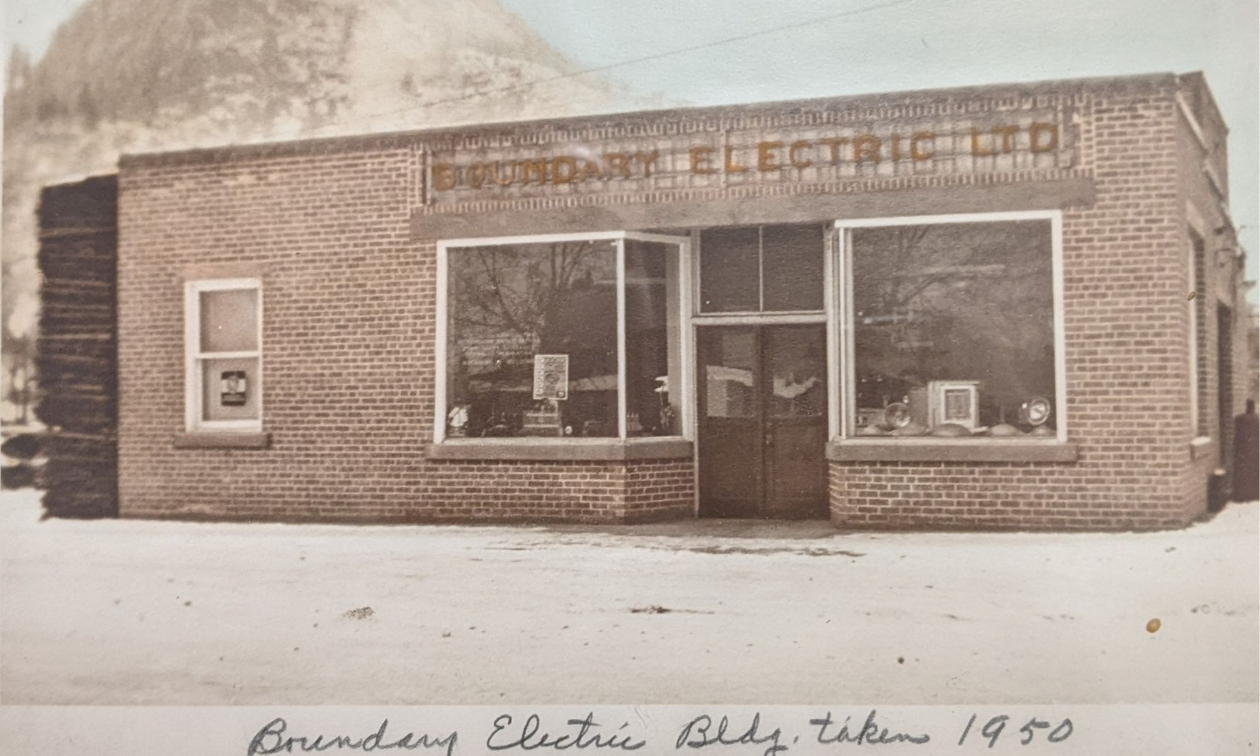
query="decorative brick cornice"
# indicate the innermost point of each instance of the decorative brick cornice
(952, 103)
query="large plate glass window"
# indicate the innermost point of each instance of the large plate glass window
(951, 328)
(563, 338)
(224, 340)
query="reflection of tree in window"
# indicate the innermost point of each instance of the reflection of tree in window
(510, 302)
(961, 301)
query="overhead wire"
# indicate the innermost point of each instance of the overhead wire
(620, 64)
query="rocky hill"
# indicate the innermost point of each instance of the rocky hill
(142, 75)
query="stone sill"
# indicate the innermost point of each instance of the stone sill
(1200, 447)
(223, 440)
(611, 450)
(916, 450)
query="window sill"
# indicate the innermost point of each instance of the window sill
(919, 450)
(1200, 447)
(612, 450)
(223, 440)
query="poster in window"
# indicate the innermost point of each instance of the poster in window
(232, 388)
(551, 376)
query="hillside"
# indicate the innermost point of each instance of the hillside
(143, 75)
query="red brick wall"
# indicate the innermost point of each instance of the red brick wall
(349, 327)
(1125, 285)
(348, 333)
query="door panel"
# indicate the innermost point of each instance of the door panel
(796, 421)
(730, 420)
(763, 421)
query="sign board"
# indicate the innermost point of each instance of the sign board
(551, 376)
(232, 388)
(781, 152)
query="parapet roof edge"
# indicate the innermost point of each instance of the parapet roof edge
(410, 136)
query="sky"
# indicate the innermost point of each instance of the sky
(871, 46)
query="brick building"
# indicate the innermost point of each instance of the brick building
(1016, 306)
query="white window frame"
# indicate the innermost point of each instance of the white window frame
(686, 341)
(843, 396)
(1195, 223)
(194, 389)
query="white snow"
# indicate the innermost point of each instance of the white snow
(143, 612)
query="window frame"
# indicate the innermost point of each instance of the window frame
(685, 335)
(841, 325)
(1196, 263)
(194, 379)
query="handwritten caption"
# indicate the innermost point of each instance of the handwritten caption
(714, 733)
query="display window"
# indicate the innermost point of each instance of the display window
(563, 337)
(951, 327)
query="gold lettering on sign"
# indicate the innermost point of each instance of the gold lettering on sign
(501, 176)
(648, 159)
(1043, 137)
(618, 162)
(866, 147)
(1008, 137)
(443, 177)
(590, 170)
(835, 143)
(916, 152)
(767, 157)
(794, 153)
(764, 156)
(565, 176)
(534, 170)
(976, 148)
(700, 160)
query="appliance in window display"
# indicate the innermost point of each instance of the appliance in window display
(947, 402)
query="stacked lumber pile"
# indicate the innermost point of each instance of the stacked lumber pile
(77, 354)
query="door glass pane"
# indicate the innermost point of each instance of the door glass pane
(799, 370)
(510, 303)
(792, 260)
(229, 320)
(729, 360)
(230, 389)
(653, 370)
(729, 270)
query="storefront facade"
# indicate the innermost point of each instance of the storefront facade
(953, 309)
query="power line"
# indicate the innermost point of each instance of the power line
(628, 62)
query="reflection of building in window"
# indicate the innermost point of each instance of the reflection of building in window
(955, 320)
(509, 303)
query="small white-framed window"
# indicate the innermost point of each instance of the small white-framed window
(568, 337)
(952, 327)
(223, 348)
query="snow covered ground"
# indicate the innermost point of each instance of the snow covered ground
(129, 612)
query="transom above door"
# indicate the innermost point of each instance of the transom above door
(762, 269)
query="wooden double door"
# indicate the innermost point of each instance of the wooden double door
(762, 421)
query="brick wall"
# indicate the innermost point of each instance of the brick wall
(1125, 289)
(348, 333)
(1202, 158)
(349, 326)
